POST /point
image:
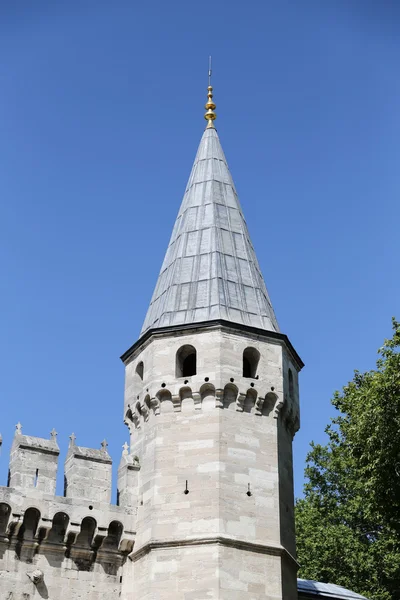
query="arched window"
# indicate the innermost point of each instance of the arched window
(140, 369)
(251, 358)
(291, 384)
(186, 361)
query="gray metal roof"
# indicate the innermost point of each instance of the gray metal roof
(306, 587)
(210, 270)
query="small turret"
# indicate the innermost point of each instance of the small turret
(128, 475)
(88, 472)
(33, 462)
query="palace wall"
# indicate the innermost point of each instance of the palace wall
(71, 547)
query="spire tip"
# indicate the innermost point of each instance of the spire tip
(210, 107)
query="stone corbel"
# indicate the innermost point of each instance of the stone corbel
(14, 525)
(258, 406)
(197, 400)
(126, 543)
(44, 529)
(128, 421)
(136, 419)
(71, 534)
(278, 406)
(292, 422)
(145, 411)
(240, 402)
(177, 402)
(219, 398)
(155, 405)
(99, 538)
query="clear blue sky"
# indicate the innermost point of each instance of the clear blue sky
(101, 112)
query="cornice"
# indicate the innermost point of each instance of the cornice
(222, 540)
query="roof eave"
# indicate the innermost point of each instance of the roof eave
(209, 324)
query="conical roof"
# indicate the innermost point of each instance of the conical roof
(210, 270)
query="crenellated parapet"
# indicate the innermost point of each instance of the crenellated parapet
(82, 526)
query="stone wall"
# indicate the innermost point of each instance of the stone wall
(56, 547)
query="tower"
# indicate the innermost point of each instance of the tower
(212, 405)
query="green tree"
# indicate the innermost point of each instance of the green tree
(348, 523)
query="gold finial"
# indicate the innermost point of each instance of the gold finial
(210, 115)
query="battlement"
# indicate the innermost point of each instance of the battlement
(80, 531)
(87, 472)
(33, 462)
(71, 535)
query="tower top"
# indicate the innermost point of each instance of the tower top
(210, 270)
(210, 106)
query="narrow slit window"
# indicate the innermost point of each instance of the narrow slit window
(140, 370)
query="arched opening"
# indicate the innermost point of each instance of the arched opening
(230, 396)
(58, 528)
(140, 370)
(186, 360)
(269, 403)
(291, 384)
(114, 534)
(165, 399)
(250, 400)
(207, 394)
(29, 524)
(5, 511)
(128, 420)
(85, 536)
(186, 397)
(251, 358)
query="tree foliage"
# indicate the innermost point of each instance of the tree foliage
(348, 523)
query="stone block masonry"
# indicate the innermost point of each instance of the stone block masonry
(213, 439)
(56, 547)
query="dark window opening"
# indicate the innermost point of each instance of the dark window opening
(251, 358)
(140, 370)
(186, 361)
(246, 367)
(189, 365)
(36, 477)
